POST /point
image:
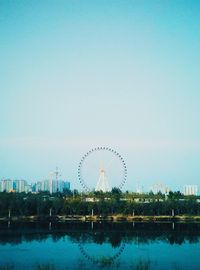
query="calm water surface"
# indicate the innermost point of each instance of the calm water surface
(99, 246)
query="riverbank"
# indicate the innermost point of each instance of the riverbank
(110, 218)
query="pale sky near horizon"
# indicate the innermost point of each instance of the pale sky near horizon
(80, 74)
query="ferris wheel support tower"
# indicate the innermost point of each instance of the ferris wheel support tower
(102, 184)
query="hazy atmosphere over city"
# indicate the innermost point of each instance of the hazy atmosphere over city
(81, 74)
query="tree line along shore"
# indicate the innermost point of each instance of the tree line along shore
(97, 206)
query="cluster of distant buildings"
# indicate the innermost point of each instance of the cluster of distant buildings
(161, 188)
(50, 185)
(190, 190)
(53, 185)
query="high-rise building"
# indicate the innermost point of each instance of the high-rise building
(160, 187)
(52, 186)
(60, 185)
(38, 186)
(6, 185)
(190, 190)
(9, 185)
(20, 185)
(28, 188)
(66, 185)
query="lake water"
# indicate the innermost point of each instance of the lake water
(99, 246)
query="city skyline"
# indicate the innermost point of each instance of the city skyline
(81, 74)
(53, 183)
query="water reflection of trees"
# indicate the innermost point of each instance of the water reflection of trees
(113, 233)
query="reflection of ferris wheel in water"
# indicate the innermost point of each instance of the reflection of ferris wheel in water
(99, 260)
(102, 168)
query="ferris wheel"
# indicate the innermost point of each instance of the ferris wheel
(101, 169)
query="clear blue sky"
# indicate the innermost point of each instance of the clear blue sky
(79, 74)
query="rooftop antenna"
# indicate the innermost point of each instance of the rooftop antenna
(57, 174)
